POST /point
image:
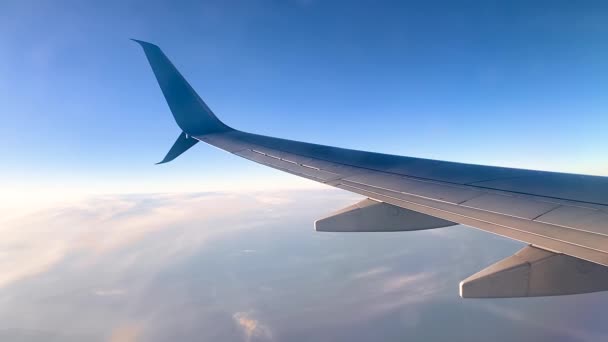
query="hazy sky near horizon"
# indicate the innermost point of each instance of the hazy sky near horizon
(217, 266)
(513, 83)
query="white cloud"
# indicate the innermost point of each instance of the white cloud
(251, 327)
(400, 292)
(33, 243)
(373, 272)
(404, 282)
(109, 292)
(126, 333)
(565, 328)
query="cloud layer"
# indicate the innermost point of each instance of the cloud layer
(234, 267)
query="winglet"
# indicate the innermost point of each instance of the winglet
(181, 145)
(189, 110)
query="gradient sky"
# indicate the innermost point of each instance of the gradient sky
(513, 83)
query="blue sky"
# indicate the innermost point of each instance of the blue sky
(510, 83)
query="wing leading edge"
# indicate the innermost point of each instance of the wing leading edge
(555, 212)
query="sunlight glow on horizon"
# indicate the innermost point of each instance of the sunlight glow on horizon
(20, 199)
(84, 114)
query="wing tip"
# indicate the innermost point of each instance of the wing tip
(144, 43)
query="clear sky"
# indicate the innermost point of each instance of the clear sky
(510, 83)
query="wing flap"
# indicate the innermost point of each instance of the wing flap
(511, 205)
(590, 220)
(495, 223)
(434, 190)
(580, 188)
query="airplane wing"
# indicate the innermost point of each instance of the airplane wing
(562, 217)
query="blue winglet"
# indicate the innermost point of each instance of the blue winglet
(181, 145)
(189, 110)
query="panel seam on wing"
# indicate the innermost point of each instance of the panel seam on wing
(480, 220)
(488, 211)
